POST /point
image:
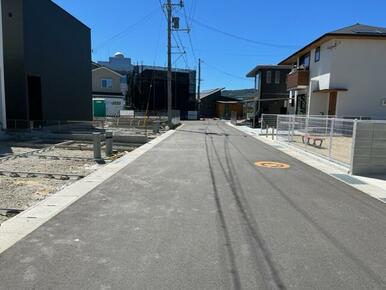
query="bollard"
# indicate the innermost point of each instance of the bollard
(97, 147)
(109, 143)
(156, 127)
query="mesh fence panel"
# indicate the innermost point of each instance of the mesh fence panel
(326, 137)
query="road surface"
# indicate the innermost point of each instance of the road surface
(195, 212)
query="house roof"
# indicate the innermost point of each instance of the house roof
(110, 70)
(208, 93)
(254, 72)
(361, 29)
(356, 31)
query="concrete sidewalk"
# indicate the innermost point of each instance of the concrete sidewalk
(196, 213)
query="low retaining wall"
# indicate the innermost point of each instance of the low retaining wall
(134, 139)
(369, 148)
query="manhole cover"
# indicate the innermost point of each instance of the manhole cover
(272, 164)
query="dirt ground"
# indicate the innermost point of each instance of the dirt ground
(340, 150)
(34, 164)
(22, 192)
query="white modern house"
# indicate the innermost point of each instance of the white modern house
(342, 73)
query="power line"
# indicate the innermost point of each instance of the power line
(243, 38)
(224, 72)
(189, 31)
(127, 29)
(238, 54)
(183, 50)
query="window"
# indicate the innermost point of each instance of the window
(305, 61)
(269, 77)
(106, 83)
(317, 54)
(277, 77)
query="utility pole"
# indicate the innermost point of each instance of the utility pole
(199, 80)
(169, 9)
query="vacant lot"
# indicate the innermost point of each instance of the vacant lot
(20, 191)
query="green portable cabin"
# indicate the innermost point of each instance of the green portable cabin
(99, 108)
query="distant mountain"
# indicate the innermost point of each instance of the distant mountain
(240, 94)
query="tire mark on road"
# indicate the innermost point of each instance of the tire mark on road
(337, 244)
(320, 177)
(231, 254)
(230, 174)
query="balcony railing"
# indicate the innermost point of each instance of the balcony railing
(298, 79)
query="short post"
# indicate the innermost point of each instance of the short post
(97, 147)
(109, 143)
(266, 131)
(273, 133)
(156, 126)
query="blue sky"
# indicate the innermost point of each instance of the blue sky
(138, 29)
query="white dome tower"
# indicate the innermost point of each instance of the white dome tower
(119, 55)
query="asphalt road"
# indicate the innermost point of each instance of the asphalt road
(195, 212)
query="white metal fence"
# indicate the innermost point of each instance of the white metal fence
(268, 121)
(328, 137)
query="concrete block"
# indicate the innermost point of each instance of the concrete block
(361, 143)
(379, 145)
(364, 126)
(364, 134)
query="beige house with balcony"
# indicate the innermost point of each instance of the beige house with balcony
(342, 73)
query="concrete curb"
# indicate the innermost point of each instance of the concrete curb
(370, 186)
(25, 223)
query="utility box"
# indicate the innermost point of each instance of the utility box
(99, 108)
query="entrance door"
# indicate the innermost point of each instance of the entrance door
(35, 98)
(332, 104)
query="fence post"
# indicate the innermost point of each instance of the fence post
(273, 133)
(331, 136)
(277, 127)
(266, 131)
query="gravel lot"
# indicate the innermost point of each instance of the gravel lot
(34, 164)
(70, 153)
(23, 192)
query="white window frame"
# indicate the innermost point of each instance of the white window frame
(277, 77)
(109, 83)
(268, 77)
